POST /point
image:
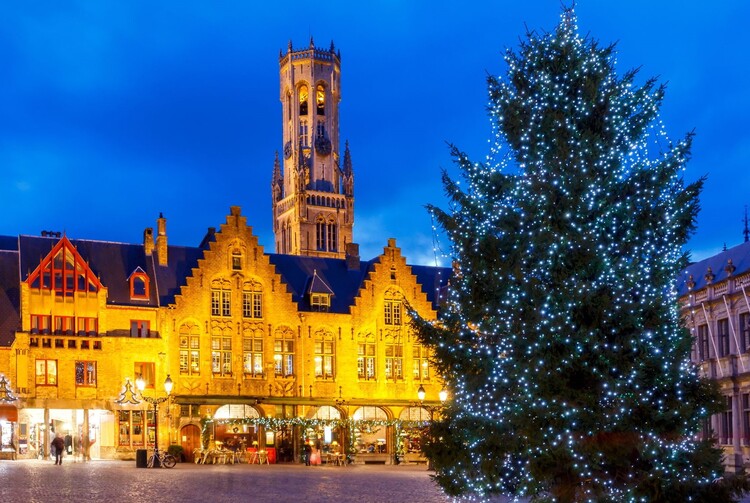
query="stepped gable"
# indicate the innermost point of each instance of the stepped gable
(172, 277)
(297, 272)
(10, 298)
(740, 256)
(434, 282)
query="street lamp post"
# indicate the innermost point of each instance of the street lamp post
(141, 385)
(421, 394)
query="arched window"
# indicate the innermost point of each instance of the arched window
(320, 228)
(303, 134)
(320, 130)
(332, 236)
(320, 99)
(303, 95)
(289, 106)
(139, 284)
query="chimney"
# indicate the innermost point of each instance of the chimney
(352, 256)
(148, 241)
(161, 240)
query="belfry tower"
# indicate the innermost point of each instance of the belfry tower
(312, 187)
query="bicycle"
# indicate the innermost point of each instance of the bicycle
(161, 459)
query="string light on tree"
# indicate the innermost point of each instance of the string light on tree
(562, 346)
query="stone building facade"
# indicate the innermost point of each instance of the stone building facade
(715, 306)
(264, 350)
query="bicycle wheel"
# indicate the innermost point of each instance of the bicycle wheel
(169, 461)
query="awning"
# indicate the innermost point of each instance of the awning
(9, 413)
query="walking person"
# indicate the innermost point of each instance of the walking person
(308, 453)
(59, 444)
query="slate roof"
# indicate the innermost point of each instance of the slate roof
(740, 256)
(113, 263)
(9, 297)
(297, 271)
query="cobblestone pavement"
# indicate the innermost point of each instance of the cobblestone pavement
(34, 481)
(120, 481)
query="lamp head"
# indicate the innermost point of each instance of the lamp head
(421, 393)
(140, 383)
(168, 385)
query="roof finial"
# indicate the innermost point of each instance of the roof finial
(746, 232)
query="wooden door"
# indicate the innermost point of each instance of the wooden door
(190, 436)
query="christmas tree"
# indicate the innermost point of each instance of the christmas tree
(561, 343)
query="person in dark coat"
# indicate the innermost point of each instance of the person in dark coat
(68, 444)
(308, 453)
(59, 444)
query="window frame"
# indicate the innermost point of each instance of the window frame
(46, 374)
(88, 374)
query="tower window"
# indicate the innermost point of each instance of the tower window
(303, 138)
(303, 95)
(320, 130)
(332, 235)
(321, 235)
(320, 99)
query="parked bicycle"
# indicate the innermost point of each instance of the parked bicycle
(161, 459)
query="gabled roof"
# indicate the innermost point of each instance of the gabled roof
(171, 277)
(297, 271)
(739, 255)
(10, 298)
(317, 285)
(111, 262)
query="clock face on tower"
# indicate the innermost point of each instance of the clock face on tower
(288, 150)
(323, 145)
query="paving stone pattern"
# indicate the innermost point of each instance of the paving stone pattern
(31, 481)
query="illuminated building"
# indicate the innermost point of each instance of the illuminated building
(264, 349)
(715, 305)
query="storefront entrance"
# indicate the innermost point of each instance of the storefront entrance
(190, 440)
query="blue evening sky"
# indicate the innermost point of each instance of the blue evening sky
(112, 112)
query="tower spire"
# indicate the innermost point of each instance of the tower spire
(746, 231)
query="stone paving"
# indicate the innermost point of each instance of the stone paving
(120, 481)
(34, 481)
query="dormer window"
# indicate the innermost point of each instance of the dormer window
(320, 302)
(319, 293)
(139, 285)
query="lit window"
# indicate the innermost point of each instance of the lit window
(252, 355)
(221, 355)
(283, 354)
(189, 350)
(304, 94)
(85, 373)
(320, 302)
(324, 353)
(320, 100)
(46, 372)
(221, 303)
(366, 360)
(392, 312)
(394, 361)
(420, 362)
(252, 305)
